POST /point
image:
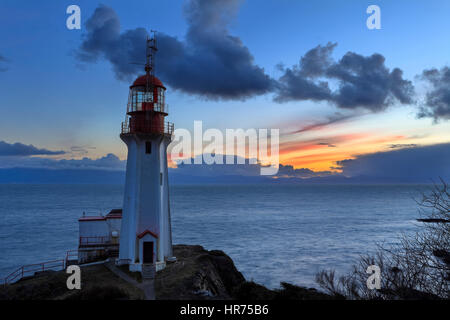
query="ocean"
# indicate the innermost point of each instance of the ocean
(272, 232)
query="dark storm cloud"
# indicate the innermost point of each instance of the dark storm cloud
(362, 82)
(299, 82)
(212, 63)
(414, 163)
(366, 82)
(317, 60)
(104, 40)
(20, 149)
(209, 62)
(295, 87)
(437, 101)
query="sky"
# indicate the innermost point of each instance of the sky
(336, 90)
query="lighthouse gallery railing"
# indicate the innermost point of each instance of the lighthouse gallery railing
(166, 128)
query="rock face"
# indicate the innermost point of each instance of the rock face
(198, 274)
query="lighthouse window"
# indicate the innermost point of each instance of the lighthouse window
(148, 147)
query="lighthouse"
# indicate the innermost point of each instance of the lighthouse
(145, 235)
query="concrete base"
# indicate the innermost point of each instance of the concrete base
(160, 265)
(137, 267)
(121, 262)
(171, 259)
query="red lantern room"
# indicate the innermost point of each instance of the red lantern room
(146, 110)
(141, 99)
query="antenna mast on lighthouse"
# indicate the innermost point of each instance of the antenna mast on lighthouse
(151, 49)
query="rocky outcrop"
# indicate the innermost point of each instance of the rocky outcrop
(201, 274)
(198, 274)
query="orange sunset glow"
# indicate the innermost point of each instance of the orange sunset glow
(320, 146)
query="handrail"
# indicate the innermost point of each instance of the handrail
(143, 127)
(32, 269)
(71, 254)
(93, 240)
(13, 275)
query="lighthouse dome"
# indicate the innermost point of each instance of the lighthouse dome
(142, 81)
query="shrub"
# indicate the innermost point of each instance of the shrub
(418, 267)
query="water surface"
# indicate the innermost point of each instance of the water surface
(273, 233)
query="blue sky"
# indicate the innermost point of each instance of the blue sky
(51, 100)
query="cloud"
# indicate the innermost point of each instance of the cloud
(296, 147)
(299, 83)
(316, 61)
(437, 102)
(333, 119)
(288, 171)
(210, 62)
(329, 145)
(203, 169)
(414, 164)
(240, 172)
(104, 40)
(362, 82)
(191, 172)
(3, 62)
(108, 162)
(367, 82)
(80, 150)
(408, 164)
(402, 145)
(20, 149)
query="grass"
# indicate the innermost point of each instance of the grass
(97, 283)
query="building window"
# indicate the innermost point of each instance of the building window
(148, 147)
(160, 178)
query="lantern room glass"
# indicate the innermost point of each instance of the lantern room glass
(139, 95)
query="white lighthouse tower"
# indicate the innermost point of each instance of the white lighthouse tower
(146, 236)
